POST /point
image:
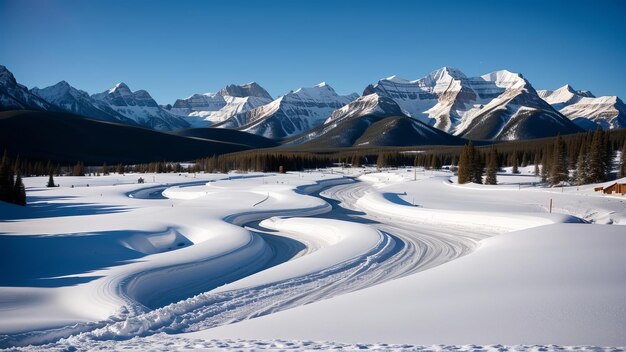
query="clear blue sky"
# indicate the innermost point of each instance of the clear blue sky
(176, 48)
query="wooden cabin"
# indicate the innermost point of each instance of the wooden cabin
(619, 188)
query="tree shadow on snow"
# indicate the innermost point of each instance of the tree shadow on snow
(49, 207)
(43, 260)
(395, 198)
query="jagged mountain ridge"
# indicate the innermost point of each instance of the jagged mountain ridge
(204, 109)
(373, 120)
(78, 102)
(291, 114)
(140, 107)
(14, 96)
(491, 106)
(585, 109)
(498, 106)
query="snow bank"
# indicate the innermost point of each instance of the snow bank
(338, 242)
(383, 204)
(560, 284)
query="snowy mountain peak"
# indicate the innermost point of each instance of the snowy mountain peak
(506, 79)
(291, 114)
(54, 92)
(448, 71)
(251, 89)
(139, 107)
(586, 110)
(120, 88)
(62, 84)
(14, 96)
(6, 77)
(395, 79)
(142, 94)
(317, 92)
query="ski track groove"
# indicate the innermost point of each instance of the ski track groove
(405, 248)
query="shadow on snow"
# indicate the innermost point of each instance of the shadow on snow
(52, 260)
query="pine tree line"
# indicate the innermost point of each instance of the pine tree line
(12, 188)
(589, 155)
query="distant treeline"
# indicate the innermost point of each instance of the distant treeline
(590, 154)
(580, 152)
(11, 187)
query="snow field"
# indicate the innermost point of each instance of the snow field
(204, 256)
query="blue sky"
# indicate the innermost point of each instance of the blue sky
(176, 48)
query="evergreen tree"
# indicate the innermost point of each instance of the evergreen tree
(492, 167)
(435, 162)
(515, 163)
(17, 165)
(545, 165)
(19, 191)
(119, 169)
(608, 155)
(559, 172)
(622, 161)
(381, 160)
(50, 181)
(105, 169)
(6, 179)
(536, 164)
(356, 160)
(78, 169)
(581, 177)
(596, 158)
(477, 166)
(466, 161)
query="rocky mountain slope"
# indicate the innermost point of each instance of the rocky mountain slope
(497, 106)
(14, 96)
(373, 120)
(72, 100)
(208, 108)
(291, 114)
(586, 110)
(140, 107)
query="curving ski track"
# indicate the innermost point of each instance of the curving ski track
(405, 248)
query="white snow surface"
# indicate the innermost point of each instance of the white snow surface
(334, 259)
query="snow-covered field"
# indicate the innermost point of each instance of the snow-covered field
(333, 259)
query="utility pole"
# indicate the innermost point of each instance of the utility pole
(550, 205)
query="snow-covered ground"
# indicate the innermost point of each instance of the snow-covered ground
(391, 260)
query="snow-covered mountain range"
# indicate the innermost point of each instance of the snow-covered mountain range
(79, 102)
(14, 96)
(118, 104)
(586, 110)
(501, 105)
(373, 120)
(291, 114)
(208, 108)
(140, 107)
